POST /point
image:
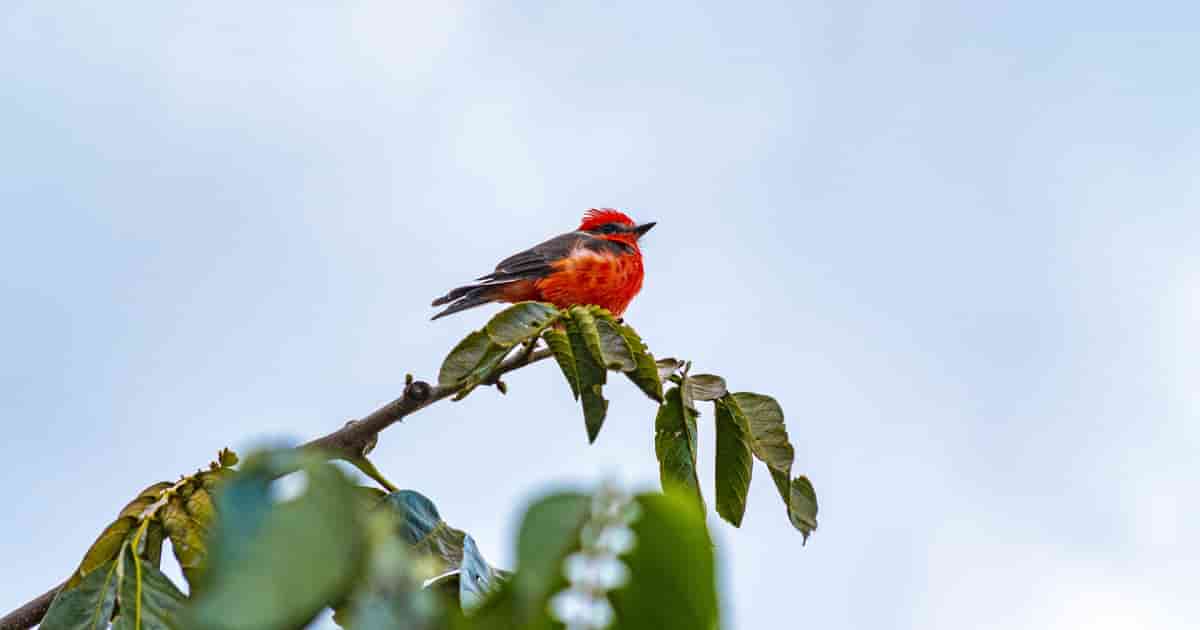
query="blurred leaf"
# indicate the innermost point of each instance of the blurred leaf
(616, 351)
(581, 327)
(734, 464)
(549, 531)
(107, 546)
(421, 527)
(87, 605)
(560, 345)
(520, 322)
(276, 565)
(673, 579)
(645, 373)
(149, 600)
(463, 358)
(476, 578)
(667, 367)
(675, 446)
(706, 386)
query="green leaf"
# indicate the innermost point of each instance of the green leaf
(667, 367)
(277, 564)
(802, 510)
(463, 358)
(549, 532)
(733, 463)
(421, 527)
(613, 346)
(581, 331)
(491, 359)
(86, 606)
(476, 577)
(187, 537)
(769, 443)
(706, 387)
(560, 345)
(107, 546)
(149, 600)
(645, 373)
(152, 543)
(672, 572)
(520, 322)
(675, 447)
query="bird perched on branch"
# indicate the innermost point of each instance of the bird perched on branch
(599, 263)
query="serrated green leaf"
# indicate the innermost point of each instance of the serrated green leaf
(277, 564)
(463, 358)
(672, 571)
(675, 447)
(706, 386)
(560, 345)
(107, 546)
(583, 319)
(613, 346)
(734, 464)
(86, 606)
(645, 373)
(149, 600)
(591, 372)
(520, 322)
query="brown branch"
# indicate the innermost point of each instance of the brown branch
(352, 442)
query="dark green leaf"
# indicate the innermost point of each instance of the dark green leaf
(152, 543)
(106, 547)
(581, 330)
(520, 322)
(706, 386)
(549, 532)
(675, 447)
(187, 537)
(645, 373)
(276, 565)
(464, 358)
(672, 576)
(733, 463)
(560, 345)
(86, 606)
(614, 348)
(149, 601)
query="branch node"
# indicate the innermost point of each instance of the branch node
(418, 391)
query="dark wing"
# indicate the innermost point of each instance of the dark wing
(537, 261)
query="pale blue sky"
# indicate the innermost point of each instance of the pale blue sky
(957, 241)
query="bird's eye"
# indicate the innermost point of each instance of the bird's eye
(609, 228)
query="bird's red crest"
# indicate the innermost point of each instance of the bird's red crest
(596, 217)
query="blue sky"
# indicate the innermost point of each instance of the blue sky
(957, 241)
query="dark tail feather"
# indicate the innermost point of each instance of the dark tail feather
(463, 298)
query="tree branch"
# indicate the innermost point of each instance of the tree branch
(352, 442)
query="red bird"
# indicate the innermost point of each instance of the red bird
(599, 263)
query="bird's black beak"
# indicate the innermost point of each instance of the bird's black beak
(643, 228)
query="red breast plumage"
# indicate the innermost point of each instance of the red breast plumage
(599, 263)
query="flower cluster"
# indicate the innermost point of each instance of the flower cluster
(596, 568)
